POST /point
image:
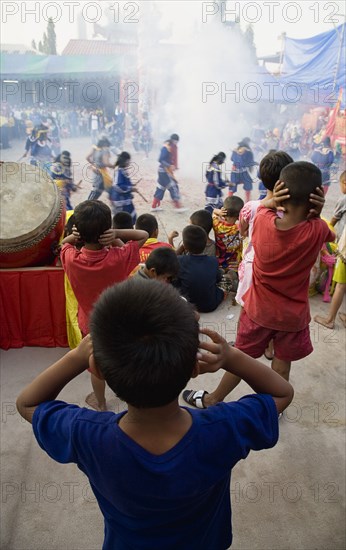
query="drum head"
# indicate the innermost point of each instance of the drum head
(30, 205)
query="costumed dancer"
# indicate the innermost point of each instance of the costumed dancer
(61, 173)
(323, 157)
(213, 190)
(99, 158)
(37, 146)
(121, 191)
(243, 162)
(166, 179)
(54, 136)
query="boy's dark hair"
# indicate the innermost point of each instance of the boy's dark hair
(145, 340)
(204, 219)
(92, 219)
(122, 220)
(164, 260)
(233, 205)
(148, 223)
(270, 167)
(69, 225)
(301, 178)
(194, 239)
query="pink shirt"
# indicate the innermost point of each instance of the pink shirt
(278, 297)
(90, 272)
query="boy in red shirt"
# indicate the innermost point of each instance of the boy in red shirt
(97, 265)
(276, 306)
(148, 223)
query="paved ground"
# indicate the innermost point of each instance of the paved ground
(287, 498)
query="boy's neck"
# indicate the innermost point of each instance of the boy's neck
(231, 219)
(93, 246)
(156, 429)
(292, 216)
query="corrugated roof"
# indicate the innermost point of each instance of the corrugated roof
(27, 66)
(97, 47)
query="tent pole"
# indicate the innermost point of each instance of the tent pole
(339, 55)
(283, 39)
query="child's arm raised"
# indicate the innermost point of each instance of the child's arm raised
(111, 235)
(47, 385)
(261, 378)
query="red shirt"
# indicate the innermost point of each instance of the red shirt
(90, 272)
(278, 296)
(148, 247)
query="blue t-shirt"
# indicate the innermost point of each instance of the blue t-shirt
(197, 281)
(180, 499)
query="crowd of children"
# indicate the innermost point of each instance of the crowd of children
(144, 342)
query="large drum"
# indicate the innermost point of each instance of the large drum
(32, 216)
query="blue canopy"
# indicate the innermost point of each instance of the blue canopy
(317, 64)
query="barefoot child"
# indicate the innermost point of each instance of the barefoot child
(339, 276)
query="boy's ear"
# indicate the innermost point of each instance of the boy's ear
(93, 367)
(195, 371)
(152, 273)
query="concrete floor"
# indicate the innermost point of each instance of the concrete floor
(287, 498)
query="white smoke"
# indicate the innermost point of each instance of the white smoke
(207, 57)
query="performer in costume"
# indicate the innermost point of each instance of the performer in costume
(166, 179)
(37, 145)
(323, 157)
(99, 158)
(60, 171)
(121, 191)
(243, 162)
(54, 136)
(213, 190)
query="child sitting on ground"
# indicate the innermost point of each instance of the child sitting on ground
(228, 241)
(203, 219)
(148, 223)
(162, 264)
(199, 274)
(96, 266)
(276, 305)
(141, 463)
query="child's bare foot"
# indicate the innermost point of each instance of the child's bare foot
(342, 317)
(92, 402)
(324, 321)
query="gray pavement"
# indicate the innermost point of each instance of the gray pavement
(289, 498)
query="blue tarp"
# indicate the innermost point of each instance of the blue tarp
(318, 64)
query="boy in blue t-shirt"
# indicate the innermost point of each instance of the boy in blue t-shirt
(160, 472)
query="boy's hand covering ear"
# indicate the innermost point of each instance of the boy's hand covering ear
(280, 194)
(84, 350)
(318, 200)
(212, 355)
(108, 237)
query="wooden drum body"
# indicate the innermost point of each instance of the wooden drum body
(32, 216)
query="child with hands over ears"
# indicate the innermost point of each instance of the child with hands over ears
(144, 458)
(276, 305)
(102, 261)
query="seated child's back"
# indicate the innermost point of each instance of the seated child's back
(198, 273)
